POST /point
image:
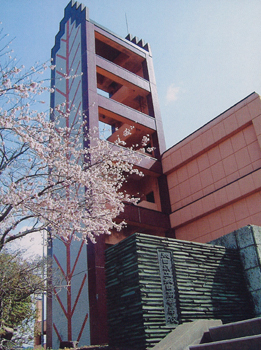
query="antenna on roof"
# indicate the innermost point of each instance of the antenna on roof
(127, 23)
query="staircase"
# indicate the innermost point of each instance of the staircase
(242, 335)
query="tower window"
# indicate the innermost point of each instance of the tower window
(150, 197)
(105, 130)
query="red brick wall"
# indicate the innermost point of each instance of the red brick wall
(214, 175)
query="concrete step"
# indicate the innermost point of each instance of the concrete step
(186, 334)
(236, 330)
(244, 343)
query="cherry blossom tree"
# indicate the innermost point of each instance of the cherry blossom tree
(48, 180)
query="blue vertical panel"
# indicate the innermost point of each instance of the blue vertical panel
(68, 309)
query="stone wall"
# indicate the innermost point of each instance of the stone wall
(155, 283)
(247, 241)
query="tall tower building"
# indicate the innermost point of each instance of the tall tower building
(114, 87)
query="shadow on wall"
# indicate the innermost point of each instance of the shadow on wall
(231, 300)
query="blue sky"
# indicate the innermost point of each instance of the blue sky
(207, 53)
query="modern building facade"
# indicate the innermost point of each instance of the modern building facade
(214, 175)
(204, 187)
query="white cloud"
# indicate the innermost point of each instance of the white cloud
(172, 93)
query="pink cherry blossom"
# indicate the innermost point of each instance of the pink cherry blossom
(47, 178)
